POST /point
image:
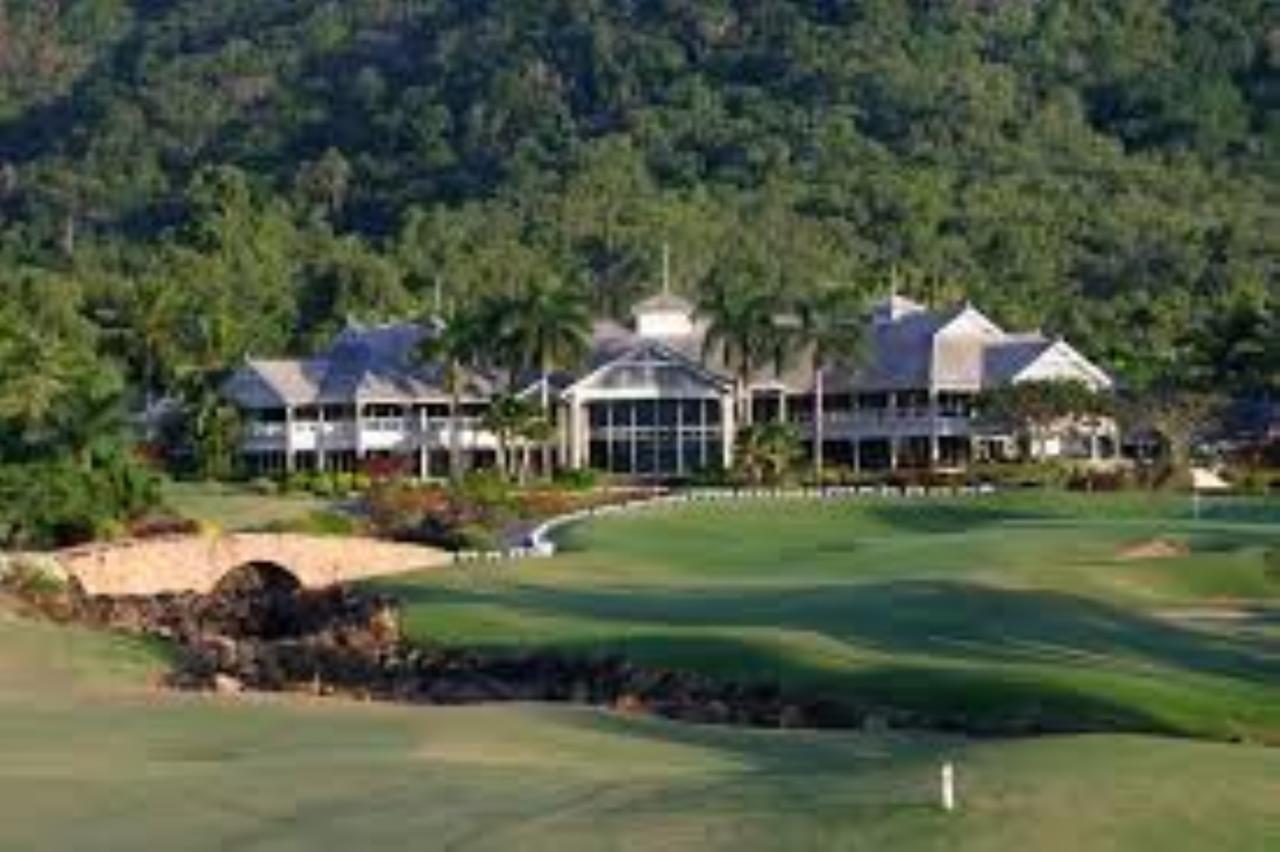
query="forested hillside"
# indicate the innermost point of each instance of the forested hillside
(215, 178)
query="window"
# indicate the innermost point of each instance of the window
(668, 452)
(838, 402)
(692, 453)
(715, 454)
(598, 455)
(620, 457)
(646, 457)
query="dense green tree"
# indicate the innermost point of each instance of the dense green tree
(833, 331)
(509, 418)
(455, 345)
(1032, 407)
(1178, 416)
(743, 330)
(549, 328)
(1105, 168)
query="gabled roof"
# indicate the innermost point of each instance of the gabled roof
(638, 362)
(1060, 360)
(909, 347)
(371, 364)
(959, 349)
(899, 353)
(1005, 360)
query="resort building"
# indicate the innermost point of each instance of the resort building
(650, 403)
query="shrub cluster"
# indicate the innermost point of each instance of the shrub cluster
(63, 502)
(326, 485)
(319, 522)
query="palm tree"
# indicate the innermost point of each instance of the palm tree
(549, 329)
(835, 332)
(508, 417)
(151, 315)
(534, 429)
(766, 451)
(456, 345)
(743, 328)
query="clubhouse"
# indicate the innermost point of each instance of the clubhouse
(649, 404)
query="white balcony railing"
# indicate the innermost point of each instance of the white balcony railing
(371, 433)
(895, 422)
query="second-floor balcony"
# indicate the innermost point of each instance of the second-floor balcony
(864, 423)
(371, 433)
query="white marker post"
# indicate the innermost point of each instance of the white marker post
(948, 787)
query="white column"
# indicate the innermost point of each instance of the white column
(892, 427)
(566, 445)
(580, 436)
(359, 426)
(289, 459)
(320, 434)
(935, 445)
(424, 460)
(729, 431)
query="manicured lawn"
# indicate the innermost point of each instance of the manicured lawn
(233, 507)
(93, 760)
(989, 609)
(976, 606)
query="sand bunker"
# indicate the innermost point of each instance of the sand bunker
(1156, 548)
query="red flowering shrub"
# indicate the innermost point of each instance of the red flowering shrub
(386, 469)
(399, 509)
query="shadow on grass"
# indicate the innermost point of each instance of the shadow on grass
(957, 636)
(949, 517)
(962, 622)
(949, 699)
(1221, 541)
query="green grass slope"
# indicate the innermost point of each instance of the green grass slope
(93, 760)
(990, 610)
(234, 507)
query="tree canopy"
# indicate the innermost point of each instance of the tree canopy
(241, 177)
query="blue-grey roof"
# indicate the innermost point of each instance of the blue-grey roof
(371, 364)
(910, 347)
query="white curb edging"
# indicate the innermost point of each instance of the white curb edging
(540, 544)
